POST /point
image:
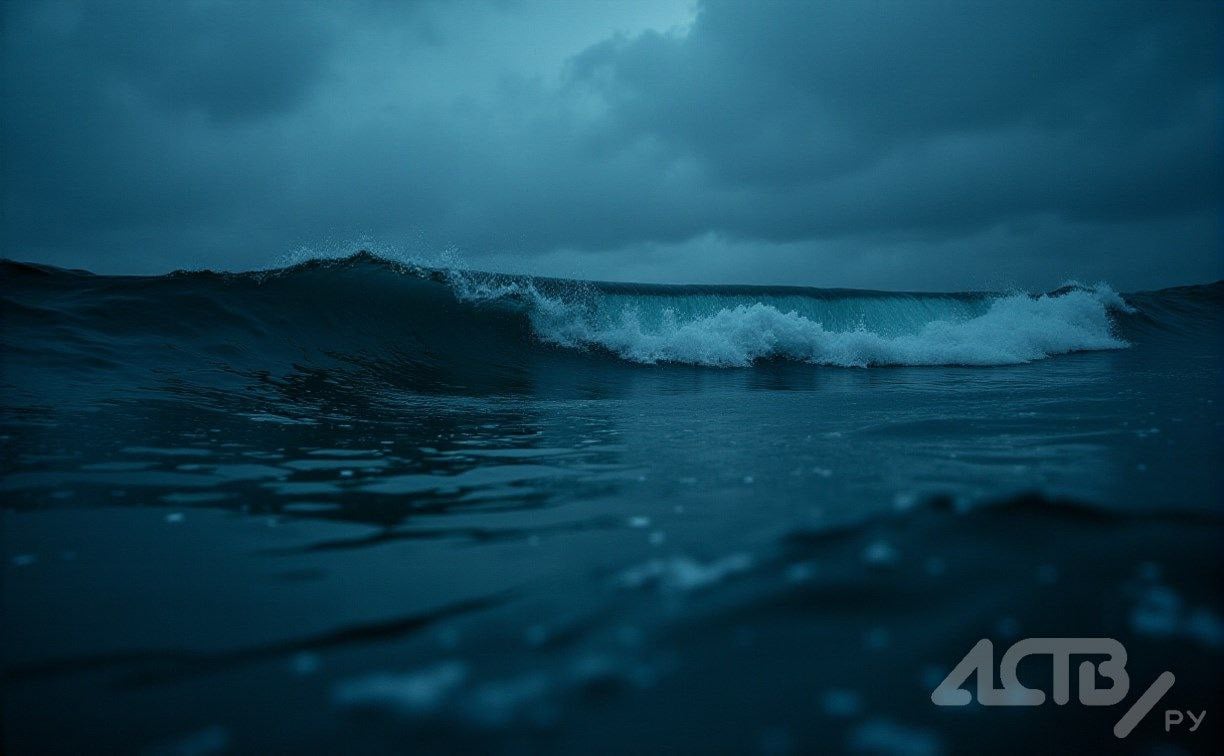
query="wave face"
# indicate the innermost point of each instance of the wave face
(424, 327)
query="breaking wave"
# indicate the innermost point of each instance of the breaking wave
(437, 329)
(704, 326)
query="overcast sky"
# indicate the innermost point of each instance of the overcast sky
(914, 145)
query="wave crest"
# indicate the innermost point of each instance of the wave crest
(851, 331)
(439, 328)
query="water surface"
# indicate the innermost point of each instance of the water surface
(352, 505)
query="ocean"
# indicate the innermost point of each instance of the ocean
(362, 506)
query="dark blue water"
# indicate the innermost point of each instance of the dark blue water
(357, 506)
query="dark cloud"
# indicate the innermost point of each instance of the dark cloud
(869, 144)
(227, 60)
(846, 117)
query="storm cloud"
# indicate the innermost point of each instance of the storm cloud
(879, 144)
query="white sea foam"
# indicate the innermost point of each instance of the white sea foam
(684, 574)
(420, 692)
(852, 331)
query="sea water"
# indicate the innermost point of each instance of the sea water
(360, 506)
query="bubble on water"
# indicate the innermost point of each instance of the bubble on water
(214, 739)
(931, 676)
(1007, 628)
(304, 663)
(682, 573)
(879, 554)
(419, 692)
(800, 572)
(877, 639)
(536, 635)
(885, 736)
(935, 566)
(776, 741)
(841, 703)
